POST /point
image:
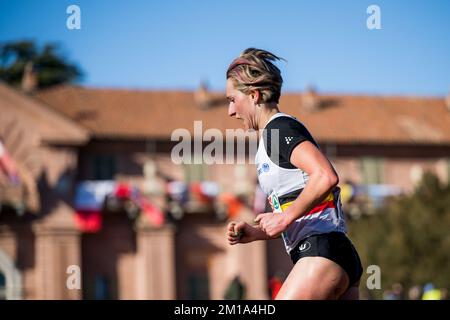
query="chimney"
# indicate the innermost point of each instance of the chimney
(202, 97)
(311, 100)
(29, 78)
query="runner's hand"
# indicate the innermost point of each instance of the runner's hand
(272, 223)
(241, 232)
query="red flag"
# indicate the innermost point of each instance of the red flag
(153, 213)
(88, 220)
(123, 191)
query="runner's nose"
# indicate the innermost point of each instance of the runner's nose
(231, 110)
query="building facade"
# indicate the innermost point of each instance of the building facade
(95, 186)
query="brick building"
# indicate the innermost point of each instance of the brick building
(65, 138)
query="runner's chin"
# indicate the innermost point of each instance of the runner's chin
(246, 127)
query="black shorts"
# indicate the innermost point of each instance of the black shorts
(334, 246)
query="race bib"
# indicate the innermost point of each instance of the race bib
(274, 203)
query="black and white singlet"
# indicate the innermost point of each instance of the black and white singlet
(277, 176)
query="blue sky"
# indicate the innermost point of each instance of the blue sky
(177, 44)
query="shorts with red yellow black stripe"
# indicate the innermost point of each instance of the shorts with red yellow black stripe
(335, 246)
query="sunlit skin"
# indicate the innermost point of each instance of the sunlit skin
(248, 107)
(302, 282)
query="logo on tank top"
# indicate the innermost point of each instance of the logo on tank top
(288, 139)
(305, 246)
(264, 168)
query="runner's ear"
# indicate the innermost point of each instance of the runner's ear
(255, 95)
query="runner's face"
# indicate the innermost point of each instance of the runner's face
(241, 106)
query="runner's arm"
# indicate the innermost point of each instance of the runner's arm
(322, 179)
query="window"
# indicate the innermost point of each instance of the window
(64, 184)
(2, 287)
(101, 288)
(104, 167)
(198, 287)
(372, 170)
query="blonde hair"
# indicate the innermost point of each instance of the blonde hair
(253, 70)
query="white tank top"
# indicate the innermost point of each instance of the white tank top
(287, 184)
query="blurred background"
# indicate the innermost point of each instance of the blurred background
(90, 93)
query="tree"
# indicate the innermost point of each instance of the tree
(50, 66)
(409, 239)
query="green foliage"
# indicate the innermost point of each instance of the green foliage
(409, 238)
(50, 66)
